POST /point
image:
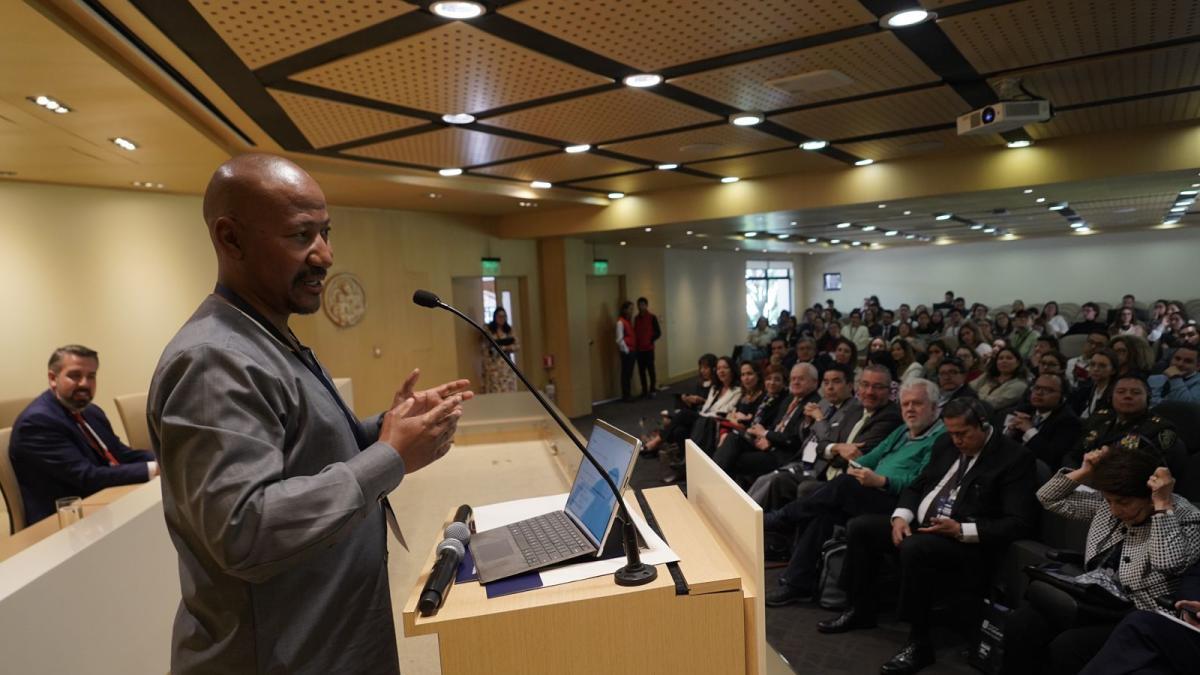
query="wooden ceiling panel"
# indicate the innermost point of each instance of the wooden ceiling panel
(603, 117)
(1115, 77)
(938, 4)
(700, 144)
(792, 160)
(1026, 33)
(448, 148)
(653, 34)
(874, 63)
(913, 110)
(919, 144)
(450, 69)
(1132, 114)
(324, 122)
(561, 167)
(645, 181)
(265, 31)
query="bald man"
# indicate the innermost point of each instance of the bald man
(274, 492)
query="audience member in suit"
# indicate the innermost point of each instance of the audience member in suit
(1140, 531)
(678, 423)
(1148, 643)
(1087, 323)
(769, 441)
(1180, 381)
(1094, 394)
(872, 486)
(1129, 418)
(952, 381)
(805, 351)
(973, 499)
(885, 328)
(63, 446)
(1077, 367)
(1046, 425)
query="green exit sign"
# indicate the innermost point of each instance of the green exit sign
(491, 266)
(600, 267)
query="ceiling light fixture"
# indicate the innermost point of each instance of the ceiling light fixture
(1028, 191)
(906, 17)
(668, 246)
(616, 195)
(1184, 202)
(730, 179)
(1078, 224)
(736, 249)
(1084, 230)
(458, 9)
(784, 235)
(990, 230)
(540, 185)
(667, 167)
(883, 206)
(891, 233)
(642, 80)
(910, 236)
(747, 119)
(750, 234)
(856, 243)
(908, 213)
(1040, 200)
(842, 226)
(977, 226)
(864, 162)
(1170, 221)
(434, 195)
(1179, 209)
(576, 149)
(835, 241)
(814, 145)
(704, 247)
(527, 205)
(49, 104)
(1189, 193)
(690, 233)
(1059, 206)
(943, 216)
(647, 229)
(124, 143)
(868, 228)
(811, 240)
(450, 172)
(622, 243)
(458, 118)
(1020, 143)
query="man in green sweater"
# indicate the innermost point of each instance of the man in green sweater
(870, 485)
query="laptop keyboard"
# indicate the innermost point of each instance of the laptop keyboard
(549, 538)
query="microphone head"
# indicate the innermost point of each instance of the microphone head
(458, 532)
(452, 545)
(426, 298)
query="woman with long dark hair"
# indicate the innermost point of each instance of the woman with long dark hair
(497, 375)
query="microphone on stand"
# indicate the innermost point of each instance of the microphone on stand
(635, 572)
(463, 525)
(450, 553)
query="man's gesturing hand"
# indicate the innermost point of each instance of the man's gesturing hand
(424, 438)
(426, 399)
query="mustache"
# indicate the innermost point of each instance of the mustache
(312, 274)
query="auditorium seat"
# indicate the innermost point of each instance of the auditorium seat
(1069, 310)
(8, 485)
(1192, 307)
(132, 409)
(1185, 415)
(1072, 345)
(10, 408)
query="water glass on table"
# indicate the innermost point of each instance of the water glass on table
(70, 510)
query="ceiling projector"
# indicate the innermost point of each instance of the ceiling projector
(1004, 116)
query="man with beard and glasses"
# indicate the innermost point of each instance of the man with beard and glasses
(274, 492)
(63, 446)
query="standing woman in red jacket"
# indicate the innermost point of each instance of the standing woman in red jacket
(627, 345)
(646, 331)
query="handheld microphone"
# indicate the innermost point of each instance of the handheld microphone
(450, 552)
(635, 572)
(463, 525)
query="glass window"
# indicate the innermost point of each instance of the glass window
(768, 289)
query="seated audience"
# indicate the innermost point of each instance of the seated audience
(1023, 336)
(1179, 382)
(1087, 322)
(845, 353)
(758, 341)
(1001, 325)
(1133, 354)
(1188, 334)
(971, 363)
(934, 353)
(969, 336)
(1005, 382)
(1130, 303)
(62, 445)
(905, 331)
(1077, 368)
(979, 314)
(925, 327)
(886, 329)
(1129, 418)
(952, 381)
(786, 330)
(1142, 535)
(722, 399)
(937, 323)
(771, 436)
(947, 303)
(677, 423)
(753, 392)
(1046, 425)
(779, 351)
(1127, 324)
(1044, 345)
(1053, 323)
(856, 331)
(1166, 329)
(949, 528)
(954, 320)
(1053, 363)
(1095, 393)
(907, 367)
(805, 351)
(871, 487)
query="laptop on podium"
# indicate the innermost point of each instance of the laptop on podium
(578, 530)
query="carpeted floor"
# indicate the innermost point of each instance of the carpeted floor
(790, 630)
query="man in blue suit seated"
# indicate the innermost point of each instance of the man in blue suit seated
(63, 446)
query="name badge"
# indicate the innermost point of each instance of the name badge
(809, 454)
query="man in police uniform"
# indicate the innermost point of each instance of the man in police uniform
(1129, 418)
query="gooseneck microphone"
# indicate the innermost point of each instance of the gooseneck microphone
(635, 572)
(450, 553)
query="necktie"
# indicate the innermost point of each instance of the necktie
(944, 502)
(94, 440)
(788, 417)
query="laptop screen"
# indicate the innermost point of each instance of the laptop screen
(591, 503)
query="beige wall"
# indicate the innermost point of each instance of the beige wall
(120, 271)
(1150, 264)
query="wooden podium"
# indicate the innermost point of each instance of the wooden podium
(596, 627)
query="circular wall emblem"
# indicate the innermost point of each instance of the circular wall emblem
(344, 300)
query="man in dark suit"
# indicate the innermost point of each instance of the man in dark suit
(63, 446)
(974, 497)
(1046, 426)
(767, 445)
(885, 328)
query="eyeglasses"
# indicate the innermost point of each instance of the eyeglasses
(1037, 389)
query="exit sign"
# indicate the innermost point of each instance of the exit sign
(600, 267)
(491, 266)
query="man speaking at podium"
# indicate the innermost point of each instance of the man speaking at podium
(274, 493)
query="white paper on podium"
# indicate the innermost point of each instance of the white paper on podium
(498, 515)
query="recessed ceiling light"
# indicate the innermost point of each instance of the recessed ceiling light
(124, 143)
(747, 119)
(1185, 202)
(1078, 224)
(1179, 209)
(704, 247)
(1028, 191)
(868, 228)
(457, 9)
(1189, 193)
(890, 233)
(856, 243)
(792, 223)
(908, 213)
(458, 118)
(668, 246)
(575, 149)
(49, 104)
(1021, 143)
(667, 167)
(835, 241)
(622, 243)
(450, 172)
(906, 17)
(864, 162)
(1084, 230)
(943, 216)
(883, 206)
(977, 226)
(750, 234)
(528, 205)
(1196, 185)
(616, 195)
(642, 80)
(784, 235)
(647, 229)
(990, 230)
(736, 249)
(1059, 206)
(910, 236)
(1040, 200)
(690, 233)
(811, 240)
(814, 145)
(842, 226)
(730, 179)
(434, 195)
(540, 185)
